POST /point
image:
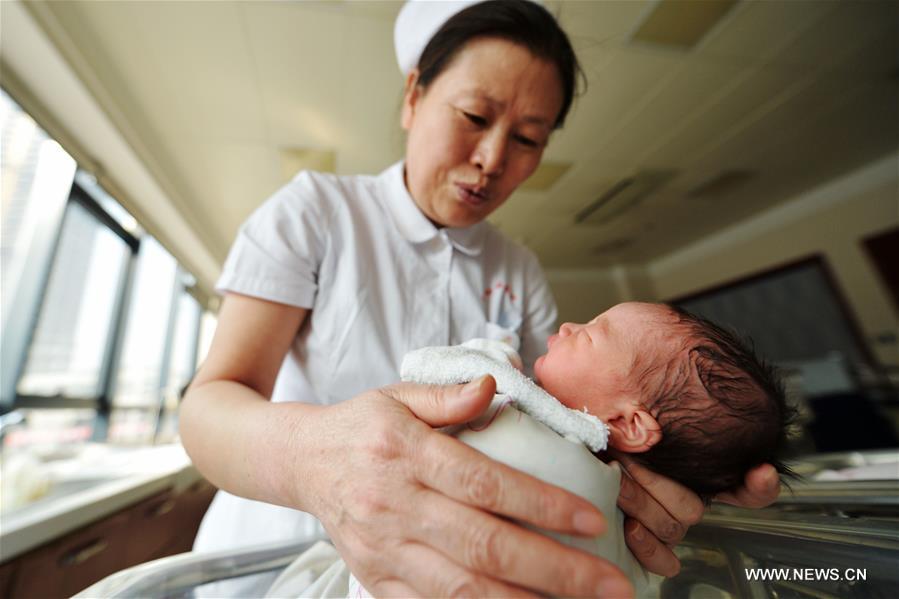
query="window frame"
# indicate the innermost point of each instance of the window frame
(102, 403)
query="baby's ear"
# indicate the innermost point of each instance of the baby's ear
(635, 432)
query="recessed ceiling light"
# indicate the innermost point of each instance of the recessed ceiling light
(681, 23)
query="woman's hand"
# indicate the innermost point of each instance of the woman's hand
(416, 512)
(760, 489)
(660, 510)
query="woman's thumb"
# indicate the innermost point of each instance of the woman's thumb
(442, 405)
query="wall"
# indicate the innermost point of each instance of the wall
(581, 294)
(53, 91)
(832, 220)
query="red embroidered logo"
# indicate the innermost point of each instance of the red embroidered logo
(500, 288)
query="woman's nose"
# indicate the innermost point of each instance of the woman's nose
(490, 153)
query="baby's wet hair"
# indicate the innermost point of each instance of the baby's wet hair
(714, 432)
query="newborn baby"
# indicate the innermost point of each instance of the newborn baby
(686, 397)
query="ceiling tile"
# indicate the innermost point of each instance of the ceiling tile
(209, 93)
(756, 30)
(298, 53)
(724, 109)
(630, 79)
(676, 105)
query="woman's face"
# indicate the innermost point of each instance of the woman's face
(479, 129)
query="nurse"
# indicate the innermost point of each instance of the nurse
(333, 279)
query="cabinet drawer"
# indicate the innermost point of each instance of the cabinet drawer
(151, 526)
(160, 525)
(67, 566)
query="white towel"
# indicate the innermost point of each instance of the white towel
(464, 363)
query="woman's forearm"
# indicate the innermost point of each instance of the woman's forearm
(245, 444)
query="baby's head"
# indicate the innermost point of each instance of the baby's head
(687, 396)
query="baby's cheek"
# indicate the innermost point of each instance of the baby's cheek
(566, 394)
(577, 403)
(538, 366)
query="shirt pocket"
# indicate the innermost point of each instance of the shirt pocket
(504, 316)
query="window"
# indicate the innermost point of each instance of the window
(181, 364)
(34, 186)
(100, 330)
(71, 341)
(140, 370)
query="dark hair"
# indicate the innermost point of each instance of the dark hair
(519, 21)
(711, 437)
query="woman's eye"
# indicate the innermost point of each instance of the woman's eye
(475, 119)
(526, 141)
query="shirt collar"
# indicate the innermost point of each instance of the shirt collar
(415, 227)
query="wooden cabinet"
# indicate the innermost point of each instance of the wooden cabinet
(161, 525)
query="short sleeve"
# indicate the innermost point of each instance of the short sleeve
(540, 314)
(279, 249)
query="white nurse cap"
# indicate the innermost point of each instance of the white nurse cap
(417, 23)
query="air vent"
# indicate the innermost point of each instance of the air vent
(681, 23)
(545, 176)
(624, 196)
(294, 160)
(721, 184)
(616, 245)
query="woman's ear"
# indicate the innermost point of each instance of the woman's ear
(411, 95)
(635, 432)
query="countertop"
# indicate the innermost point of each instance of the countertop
(121, 478)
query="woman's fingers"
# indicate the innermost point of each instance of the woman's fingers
(468, 476)
(432, 574)
(665, 507)
(661, 510)
(482, 543)
(392, 480)
(653, 554)
(760, 488)
(394, 588)
(441, 405)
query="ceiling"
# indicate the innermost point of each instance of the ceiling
(778, 96)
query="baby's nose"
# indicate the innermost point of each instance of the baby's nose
(567, 328)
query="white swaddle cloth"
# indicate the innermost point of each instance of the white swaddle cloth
(471, 360)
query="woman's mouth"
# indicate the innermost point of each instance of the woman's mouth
(472, 195)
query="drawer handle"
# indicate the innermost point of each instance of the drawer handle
(160, 510)
(79, 555)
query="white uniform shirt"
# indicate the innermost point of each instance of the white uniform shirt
(380, 280)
